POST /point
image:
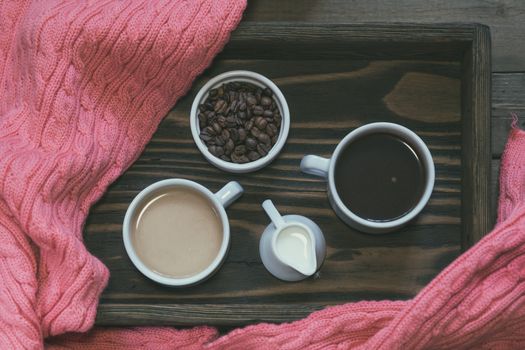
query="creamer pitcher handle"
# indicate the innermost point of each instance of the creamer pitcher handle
(274, 215)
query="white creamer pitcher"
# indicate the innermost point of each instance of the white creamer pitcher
(293, 247)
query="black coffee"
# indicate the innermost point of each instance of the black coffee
(379, 177)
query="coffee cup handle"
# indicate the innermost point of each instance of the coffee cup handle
(315, 165)
(229, 193)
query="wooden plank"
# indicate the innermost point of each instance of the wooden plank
(350, 41)
(508, 96)
(200, 314)
(505, 18)
(494, 188)
(476, 149)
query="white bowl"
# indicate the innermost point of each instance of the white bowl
(247, 77)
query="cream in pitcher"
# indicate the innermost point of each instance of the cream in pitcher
(292, 247)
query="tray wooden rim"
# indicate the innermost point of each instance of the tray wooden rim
(443, 40)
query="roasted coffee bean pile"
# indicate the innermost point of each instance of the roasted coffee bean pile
(239, 122)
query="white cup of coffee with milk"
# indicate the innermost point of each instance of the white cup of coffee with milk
(176, 231)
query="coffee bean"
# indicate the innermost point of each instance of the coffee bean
(242, 135)
(225, 135)
(242, 115)
(219, 106)
(255, 132)
(209, 105)
(253, 156)
(264, 138)
(213, 93)
(267, 92)
(229, 146)
(274, 139)
(268, 113)
(251, 143)
(267, 146)
(240, 150)
(251, 100)
(209, 130)
(262, 149)
(249, 124)
(258, 110)
(239, 121)
(217, 151)
(221, 120)
(234, 134)
(205, 136)
(277, 120)
(219, 141)
(266, 101)
(220, 91)
(234, 106)
(260, 123)
(240, 159)
(242, 106)
(231, 122)
(271, 130)
(232, 96)
(226, 158)
(217, 128)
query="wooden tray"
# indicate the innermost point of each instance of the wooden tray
(435, 79)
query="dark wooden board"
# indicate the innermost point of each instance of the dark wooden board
(506, 18)
(329, 95)
(508, 96)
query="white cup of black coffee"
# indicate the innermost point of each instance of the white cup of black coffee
(380, 177)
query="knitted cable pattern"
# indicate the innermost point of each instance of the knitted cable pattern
(83, 86)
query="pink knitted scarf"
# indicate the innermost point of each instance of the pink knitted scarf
(82, 88)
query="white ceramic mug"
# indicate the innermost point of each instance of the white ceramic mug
(324, 167)
(220, 200)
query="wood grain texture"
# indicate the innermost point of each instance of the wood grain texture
(505, 18)
(476, 148)
(328, 97)
(203, 314)
(508, 96)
